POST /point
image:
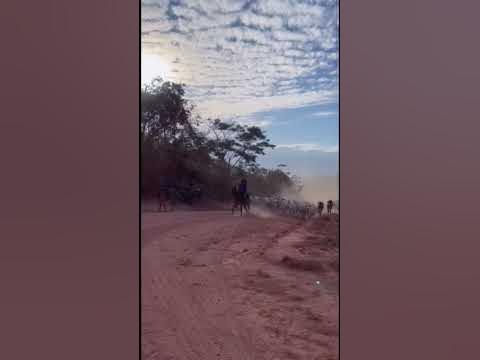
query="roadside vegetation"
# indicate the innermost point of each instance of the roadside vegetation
(180, 150)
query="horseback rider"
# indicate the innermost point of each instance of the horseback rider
(242, 190)
(242, 187)
(240, 195)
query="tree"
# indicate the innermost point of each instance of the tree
(236, 145)
(168, 133)
(165, 114)
(175, 152)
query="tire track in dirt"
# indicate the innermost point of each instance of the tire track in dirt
(296, 306)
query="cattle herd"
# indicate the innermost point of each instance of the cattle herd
(275, 204)
(300, 209)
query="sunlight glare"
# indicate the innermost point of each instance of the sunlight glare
(153, 66)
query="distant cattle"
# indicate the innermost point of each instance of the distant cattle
(329, 207)
(294, 208)
(320, 207)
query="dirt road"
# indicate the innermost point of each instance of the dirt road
(217, 286)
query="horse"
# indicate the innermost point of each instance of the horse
(247, 201)
(240, 200)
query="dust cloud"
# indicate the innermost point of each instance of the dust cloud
(315, 189)
(261, 212)
(320, 188)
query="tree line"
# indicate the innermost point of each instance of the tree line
(180, 149)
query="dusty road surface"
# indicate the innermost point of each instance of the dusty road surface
(217, 286)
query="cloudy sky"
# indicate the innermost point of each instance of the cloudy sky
(272, 63)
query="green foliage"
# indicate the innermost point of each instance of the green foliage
(174, 152)
(236, 145)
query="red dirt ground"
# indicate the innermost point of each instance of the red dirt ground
(217, 286)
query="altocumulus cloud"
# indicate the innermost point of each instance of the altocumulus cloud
(241, 57)
(310, 147)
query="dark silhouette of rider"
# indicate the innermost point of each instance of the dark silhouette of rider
(242, 188)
